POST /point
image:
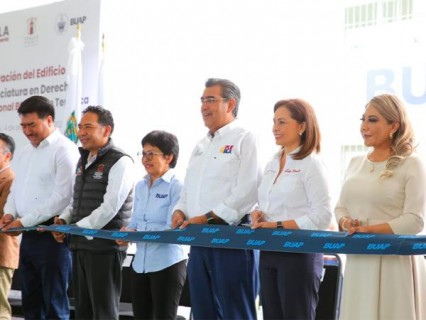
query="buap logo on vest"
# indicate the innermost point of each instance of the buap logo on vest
(4, 33)
(79, 171)
(99, 173)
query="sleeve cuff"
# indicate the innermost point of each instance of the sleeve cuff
(84, 224)
(305, 223)
(26, 221)
(81, 224)
(227, 214)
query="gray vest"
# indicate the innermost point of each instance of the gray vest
(89, 189)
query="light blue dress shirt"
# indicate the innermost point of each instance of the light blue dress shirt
(153, 210)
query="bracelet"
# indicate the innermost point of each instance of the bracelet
(214, 219)
(342, 224)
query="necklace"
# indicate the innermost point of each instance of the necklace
(374, 162)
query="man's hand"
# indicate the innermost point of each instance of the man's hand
(12, 224)
(5, 220)
(195, 220)
(178, 218)
(59, 236)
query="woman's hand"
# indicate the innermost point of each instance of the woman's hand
(264, 224)
(346, 223)
(256, 217)
(356, 229)
(123, 243)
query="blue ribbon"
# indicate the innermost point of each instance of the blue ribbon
(283, 240)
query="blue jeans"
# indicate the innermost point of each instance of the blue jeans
(45, 269)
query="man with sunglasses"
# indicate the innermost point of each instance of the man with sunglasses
(220, 187)
(103, 199)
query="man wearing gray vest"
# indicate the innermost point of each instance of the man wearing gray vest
(103, 199)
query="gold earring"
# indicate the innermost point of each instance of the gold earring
(391, 135)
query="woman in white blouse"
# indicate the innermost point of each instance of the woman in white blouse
(384, 192)
(293, 194)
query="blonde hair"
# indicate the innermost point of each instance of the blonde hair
(393, 110)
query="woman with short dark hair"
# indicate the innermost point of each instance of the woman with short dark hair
(158, 270)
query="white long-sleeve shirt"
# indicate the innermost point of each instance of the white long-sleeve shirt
(300, 193)
(121, 180)
(44, 180)
(222, 175)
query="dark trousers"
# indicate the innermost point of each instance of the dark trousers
(289, 284)
(97, 283)
(45, 269)
(223, 283)
(155, 295)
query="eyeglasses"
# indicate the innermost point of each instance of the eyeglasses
(211, 100)
(149, 155)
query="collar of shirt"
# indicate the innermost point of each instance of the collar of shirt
(280, 152)
(91, 159)
(224, 130)
(167, 176)
(85, 153)
(4, 169)
(50, 139)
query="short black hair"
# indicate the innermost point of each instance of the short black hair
(8, 140)
(38, 104)
(165, 141)
(104, 116)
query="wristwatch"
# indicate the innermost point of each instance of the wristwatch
(280, 225)
(210, 217)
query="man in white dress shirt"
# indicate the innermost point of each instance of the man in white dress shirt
(42, 188)
(220, 187)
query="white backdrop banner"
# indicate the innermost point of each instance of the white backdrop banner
(34, 52)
